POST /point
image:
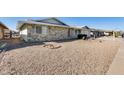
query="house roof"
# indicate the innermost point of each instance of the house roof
(3, 25)
(86, 27)
(100, 30)
(48, 22)
(21, 23)
(52, 20)
(43, 22)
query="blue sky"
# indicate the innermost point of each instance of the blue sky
(108, 23)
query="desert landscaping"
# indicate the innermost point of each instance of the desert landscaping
(69, 57)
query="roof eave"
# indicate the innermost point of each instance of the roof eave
(37, 23)
(4, 25)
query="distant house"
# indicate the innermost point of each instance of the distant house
(4, 31)
(15, 34)
(47, 30)
(113, 33)
(100, 32)
(97, 32)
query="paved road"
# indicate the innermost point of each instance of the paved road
(117, 67)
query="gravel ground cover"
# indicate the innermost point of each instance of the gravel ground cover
(74, 57)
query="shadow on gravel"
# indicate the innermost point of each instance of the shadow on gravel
(20, 45)
(7, 45)
(10, 46)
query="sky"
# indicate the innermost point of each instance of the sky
(107, 23)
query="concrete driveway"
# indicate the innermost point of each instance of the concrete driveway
(117, 66)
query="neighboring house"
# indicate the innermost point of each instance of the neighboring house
(47, 30)
(114, 33)
(98, 32)
(86, 30)
(108, 33)
(4, 31)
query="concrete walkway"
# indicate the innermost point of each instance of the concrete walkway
(117, 66)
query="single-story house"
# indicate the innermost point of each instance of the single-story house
(113, 33)
(86, 30)
(99, 33)
(47, 30)
(96, 33)
(4, 31)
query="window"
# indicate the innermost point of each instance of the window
(44, 30)
(77, 32)
(39, 29)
